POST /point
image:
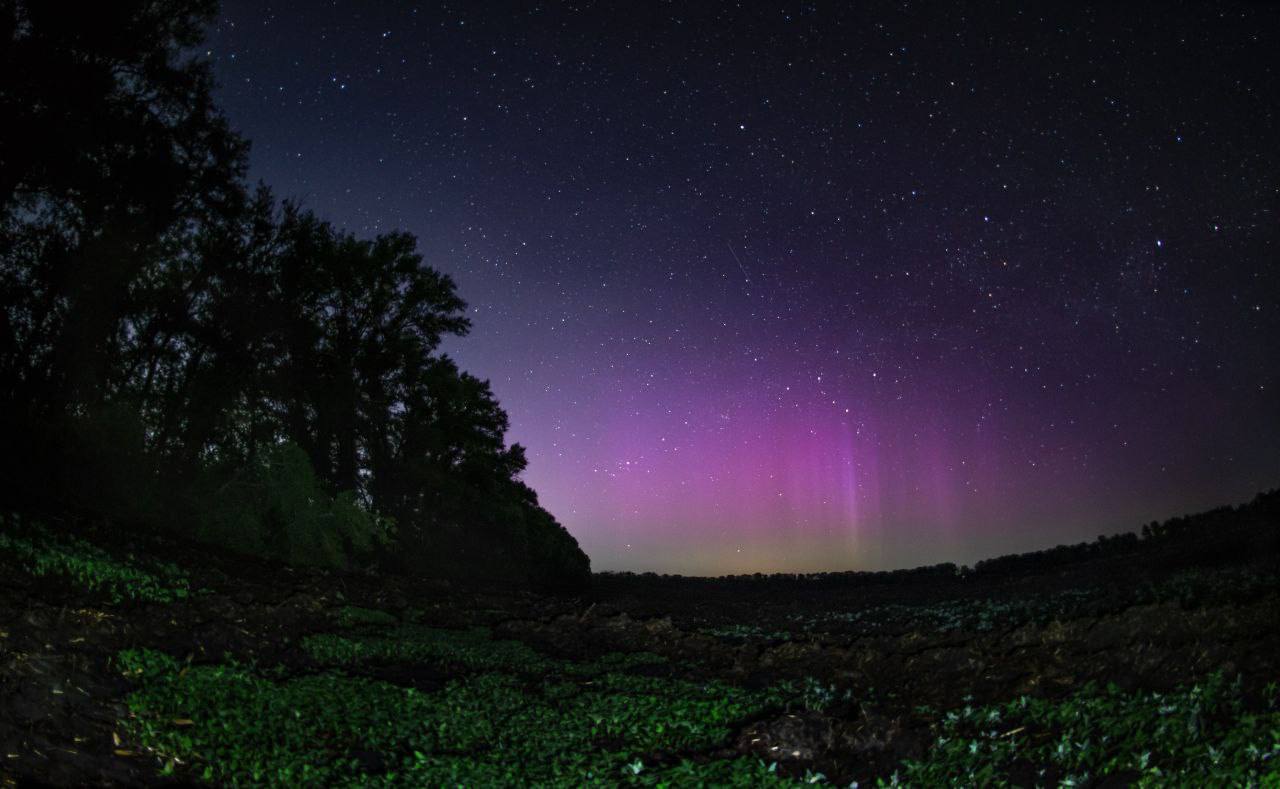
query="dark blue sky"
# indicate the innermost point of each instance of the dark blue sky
(815, 286)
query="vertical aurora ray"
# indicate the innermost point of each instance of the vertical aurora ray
(747, 318)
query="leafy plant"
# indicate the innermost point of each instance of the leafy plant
(241, 726)
(470, 650)
(277, 509)
(743, 632)
(1199, 735)
(355, 616)
(41, 553)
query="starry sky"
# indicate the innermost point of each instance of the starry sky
(797, 287)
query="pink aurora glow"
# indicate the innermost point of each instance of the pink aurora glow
(809, 487)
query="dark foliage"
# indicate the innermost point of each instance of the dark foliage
(178, 350)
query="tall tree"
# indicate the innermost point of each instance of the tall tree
(156, 318)
(111, 154)
(111, 148)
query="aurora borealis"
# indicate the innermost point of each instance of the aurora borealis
(818, 287)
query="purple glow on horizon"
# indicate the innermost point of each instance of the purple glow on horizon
(827, 291)
(788, 481)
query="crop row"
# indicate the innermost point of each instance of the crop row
(41, 553)
(238, 726)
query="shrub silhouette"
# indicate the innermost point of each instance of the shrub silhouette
(276, 509)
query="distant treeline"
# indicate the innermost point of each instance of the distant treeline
(180, 350)
(1199, 538)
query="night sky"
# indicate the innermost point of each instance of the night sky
(795, 287)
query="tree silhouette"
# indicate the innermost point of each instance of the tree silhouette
(112, 152)
(167, 334)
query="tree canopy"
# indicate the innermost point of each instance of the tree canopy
(168, 333)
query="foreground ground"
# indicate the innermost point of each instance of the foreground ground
(154, 662)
